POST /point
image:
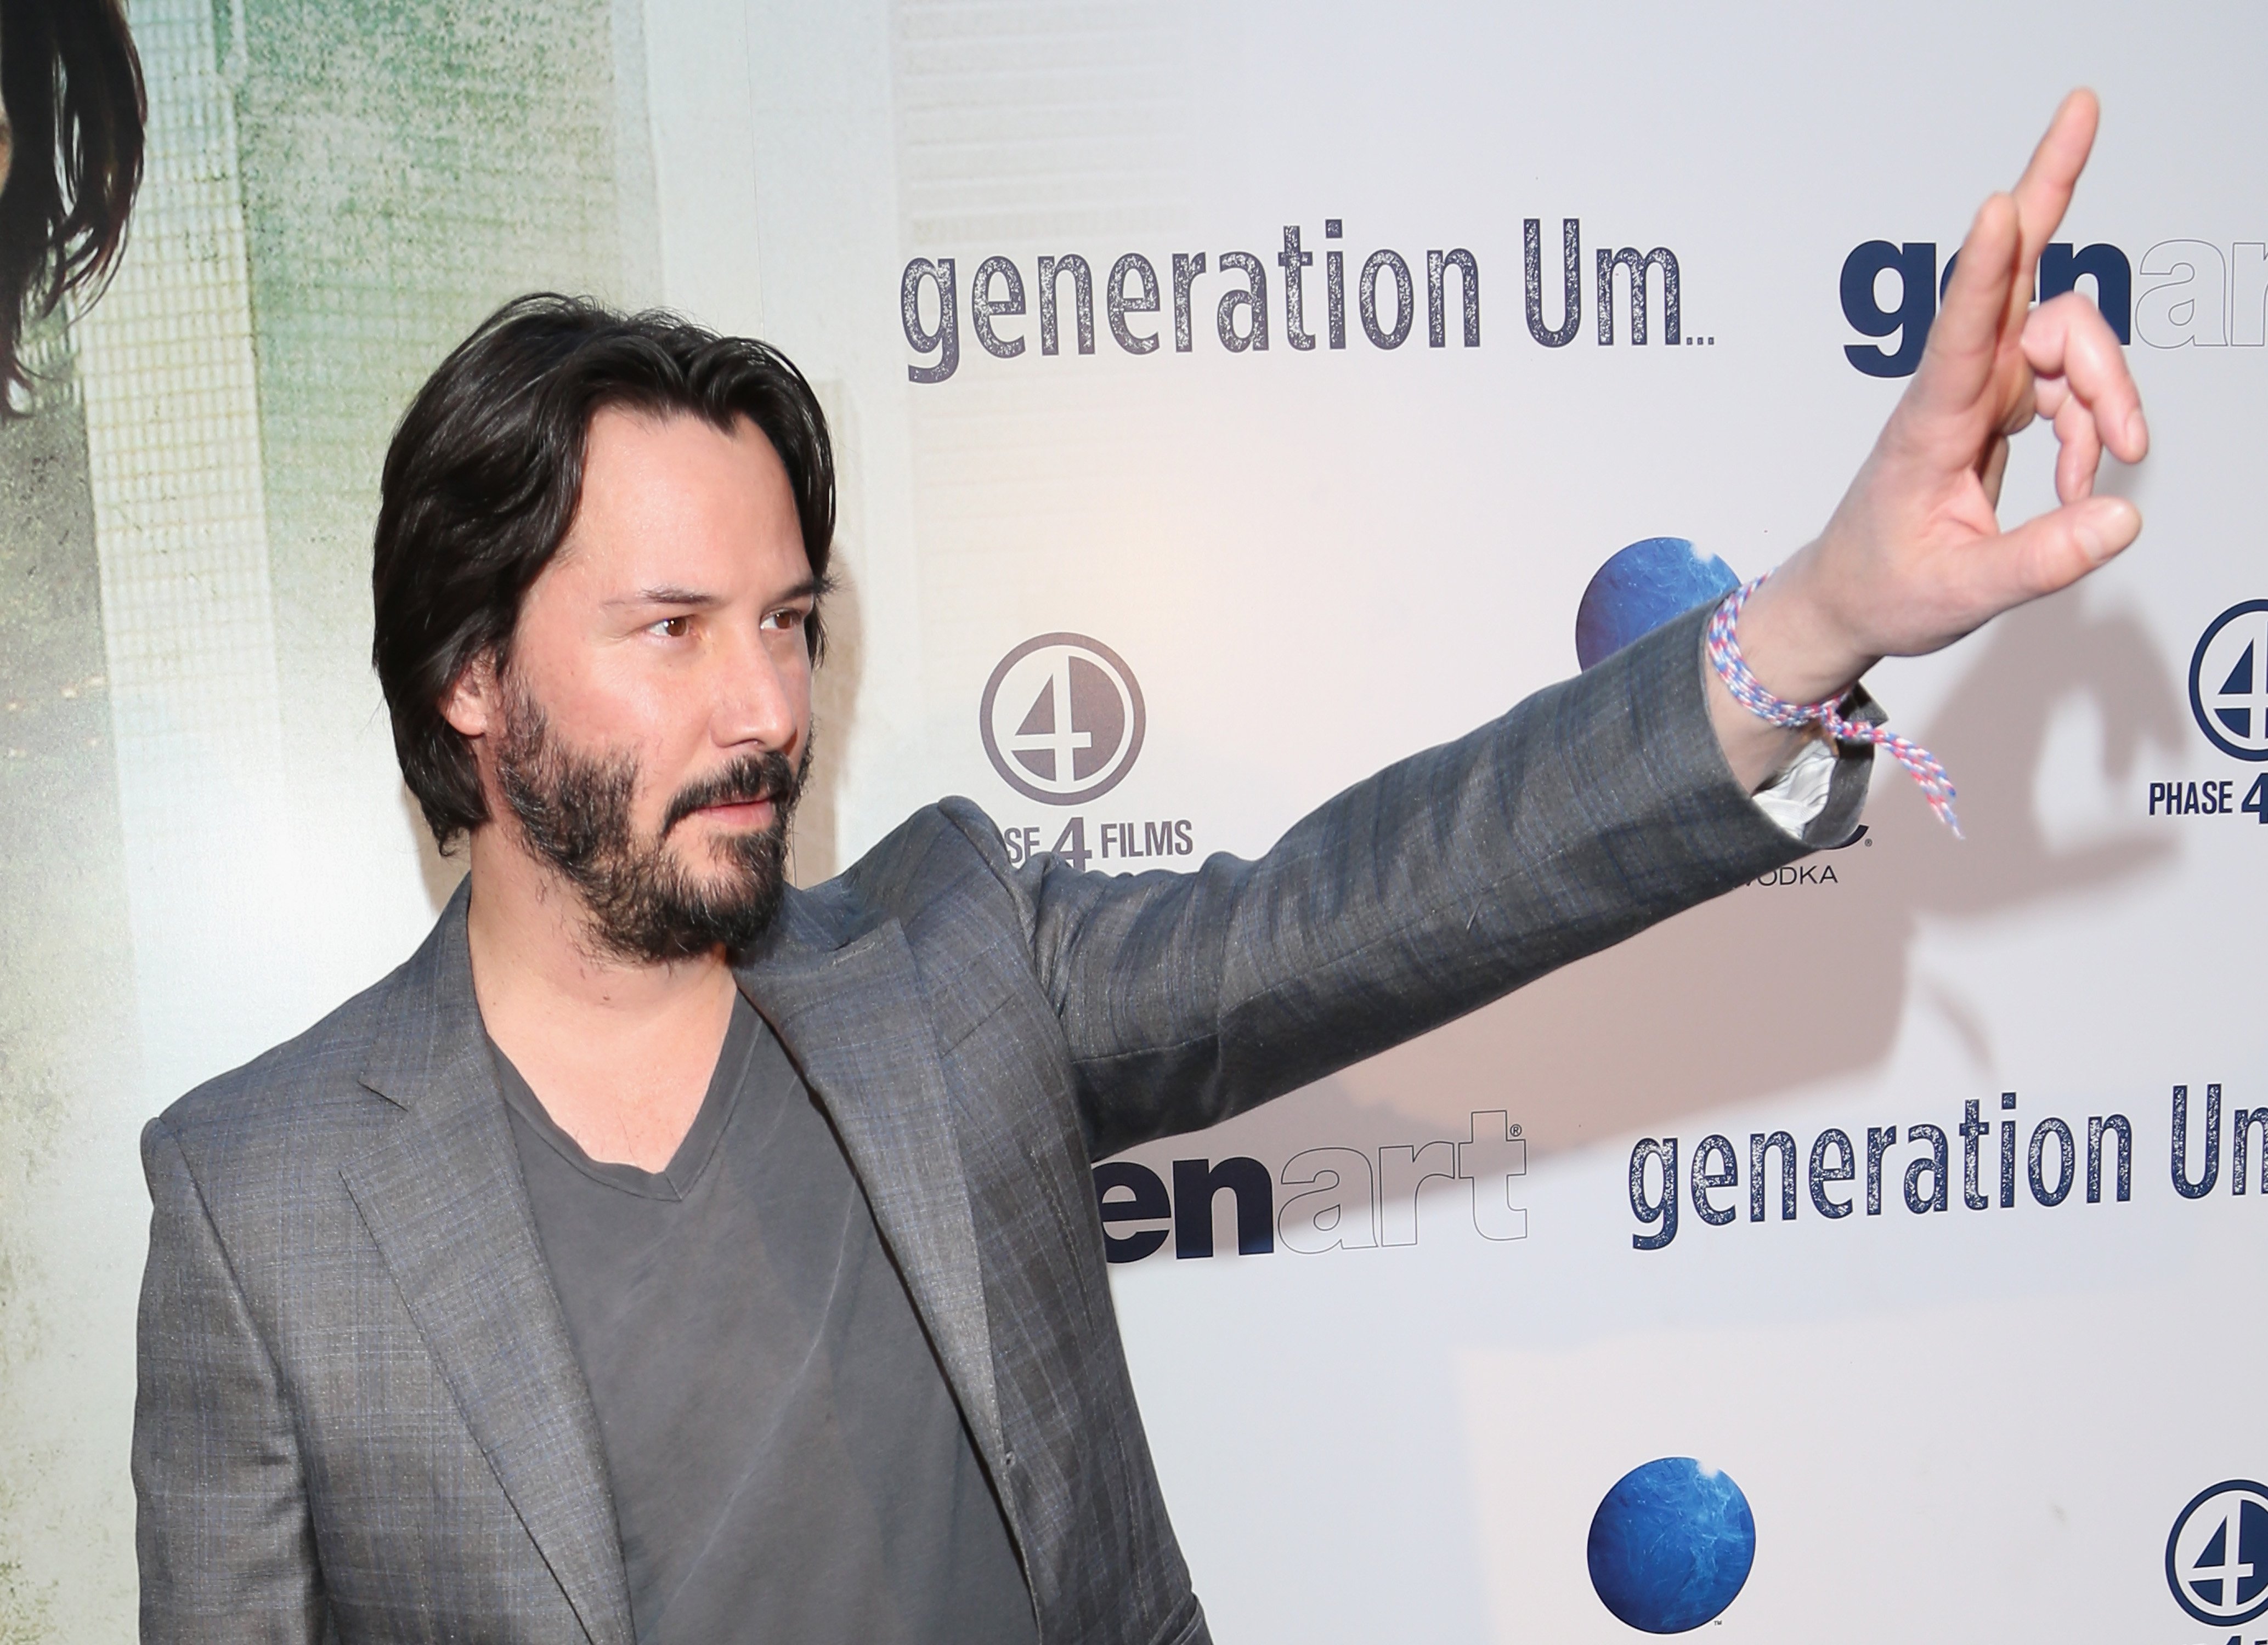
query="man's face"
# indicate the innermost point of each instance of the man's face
(649, 730)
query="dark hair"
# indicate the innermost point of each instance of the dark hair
(71, 83)
(482, 478)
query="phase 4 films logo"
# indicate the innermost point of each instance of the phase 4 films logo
(2217, 1556)
(2228, 699)
(2179, 294)
(1063, 721)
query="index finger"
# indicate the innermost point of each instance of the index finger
(2044, 192)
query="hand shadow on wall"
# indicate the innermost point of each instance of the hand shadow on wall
(1772, 987)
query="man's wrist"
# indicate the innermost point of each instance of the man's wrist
(1794, 643)
(1844, 714)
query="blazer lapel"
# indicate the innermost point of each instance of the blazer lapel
(442, 1196)
(855, 1020)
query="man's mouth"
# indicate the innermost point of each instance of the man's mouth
(756, 809)
(751, 794)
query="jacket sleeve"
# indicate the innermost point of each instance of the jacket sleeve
(221, 1529)
(1594, 808)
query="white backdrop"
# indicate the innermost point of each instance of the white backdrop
(1962, 1423)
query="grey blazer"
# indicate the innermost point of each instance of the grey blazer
(360, 1418)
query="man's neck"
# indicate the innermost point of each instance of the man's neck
(619, 1052)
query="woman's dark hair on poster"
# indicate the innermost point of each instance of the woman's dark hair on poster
(72, 85)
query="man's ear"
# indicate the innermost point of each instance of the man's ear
(473, 704)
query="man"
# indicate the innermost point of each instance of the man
(661, 1254)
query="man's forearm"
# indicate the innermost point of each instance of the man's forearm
(1595, 808)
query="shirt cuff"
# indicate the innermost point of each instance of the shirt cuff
(1795, 797)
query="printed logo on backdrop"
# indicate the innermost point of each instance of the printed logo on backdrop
(1063, 722)
(2217, 1557)
(2229, 681)
(1061, 719)
(1671, 1545)
(1364, 297)
(2228, 699)
(1335, 1198)
(2179, 294)
(1973, 1167)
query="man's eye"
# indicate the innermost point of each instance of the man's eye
(786, 619)
(674, 628)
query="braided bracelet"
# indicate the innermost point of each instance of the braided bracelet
(1732, 668)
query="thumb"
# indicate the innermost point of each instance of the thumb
(2050, 552)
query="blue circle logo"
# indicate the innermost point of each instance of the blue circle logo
(1641, 588)
(1671, 1545)
(2217, 1557)
(2229, 681)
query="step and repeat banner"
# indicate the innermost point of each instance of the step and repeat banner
(1233, 398)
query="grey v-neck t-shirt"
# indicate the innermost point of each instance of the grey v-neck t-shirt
(787, 1460)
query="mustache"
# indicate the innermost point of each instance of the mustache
(762, 776)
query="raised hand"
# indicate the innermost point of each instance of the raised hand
(1915, 556)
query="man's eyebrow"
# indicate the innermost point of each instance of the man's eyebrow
(664, 595)
(811, 588)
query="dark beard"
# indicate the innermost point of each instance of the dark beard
(644, 906)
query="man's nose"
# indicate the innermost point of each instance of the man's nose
(759, 697)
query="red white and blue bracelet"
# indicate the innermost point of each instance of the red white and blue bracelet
(1732, 668)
